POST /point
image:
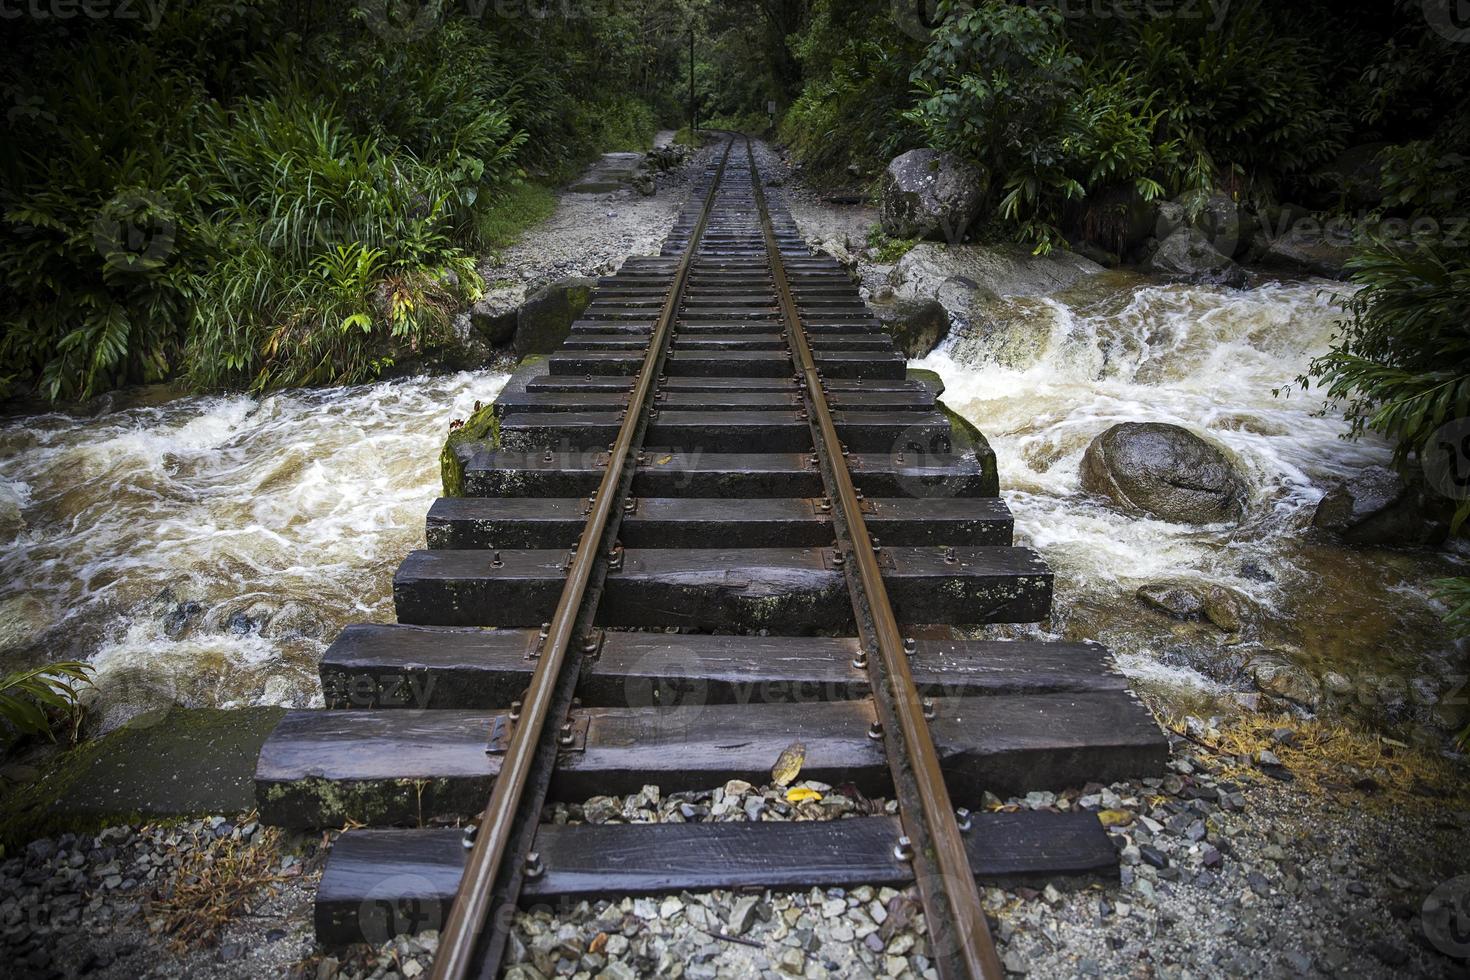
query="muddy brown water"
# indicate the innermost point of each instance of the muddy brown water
(205, 550)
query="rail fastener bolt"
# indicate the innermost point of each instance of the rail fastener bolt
(904, 850)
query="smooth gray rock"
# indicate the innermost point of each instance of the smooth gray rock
(1165, 471)
(495, 325)
(1277, 675)
(1227, 223)
(930, 194)
(961, 275)
(1189, 252)
(1305, 250)
(1179, 601)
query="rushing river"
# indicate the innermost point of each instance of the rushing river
(1043, 377)
(205, 550)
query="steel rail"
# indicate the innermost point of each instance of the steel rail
(960, 935)
(461, 938)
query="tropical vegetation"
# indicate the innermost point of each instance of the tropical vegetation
(256, 194)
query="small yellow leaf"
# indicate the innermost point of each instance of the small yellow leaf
(667, 457)
(1114, 818)
(801, 794)
(788, 764)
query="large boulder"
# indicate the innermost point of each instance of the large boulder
(1165, 471)
(1304, 251)
(463, 348)
(545, 320)
(1377, 507)
(494, 322)
(916, 325)
(1184, 249)
(957, 275)
(1226, 222)
(930, 194)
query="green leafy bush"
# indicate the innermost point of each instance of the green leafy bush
(333, 253)
(1400, 364)
(1162, 106)
(850, 111)
(263, 195)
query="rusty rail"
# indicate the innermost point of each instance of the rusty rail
(466, 949)
(961, 937)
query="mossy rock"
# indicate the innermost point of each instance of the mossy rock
(545, 320)
(171, 763)
(963, 435)
(931, 378)
(916, 325)
(967, 438)
(480, 429)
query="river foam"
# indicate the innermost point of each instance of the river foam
(207, 549)
(1043, 377)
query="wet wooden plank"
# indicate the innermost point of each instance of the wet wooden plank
(397, 666)
(381, 883)
(324, 768)
(790, 590)
(699, 522)
(728, 431)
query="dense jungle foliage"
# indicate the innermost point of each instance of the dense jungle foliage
(1079, 115)
(261, 193)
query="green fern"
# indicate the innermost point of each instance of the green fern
(28, 698)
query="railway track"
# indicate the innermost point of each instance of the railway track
(718, 527)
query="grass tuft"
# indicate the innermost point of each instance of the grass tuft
(1332, 759)
(511, 211)
(217, 882)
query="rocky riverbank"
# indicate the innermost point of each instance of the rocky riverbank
(1271, 847)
